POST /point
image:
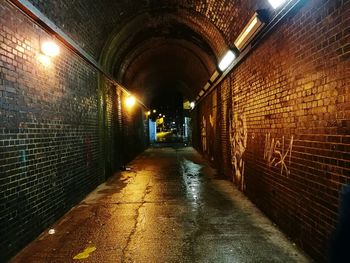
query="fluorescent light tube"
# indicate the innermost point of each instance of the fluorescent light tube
(206, 86)
(227, 60)
(250, 30)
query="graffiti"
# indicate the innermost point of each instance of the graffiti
(204, 134)
(212, 121)
(238, 140)
(276, 154)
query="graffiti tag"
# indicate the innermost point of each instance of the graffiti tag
(276, 154)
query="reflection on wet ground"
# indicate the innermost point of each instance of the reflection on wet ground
(170, 207)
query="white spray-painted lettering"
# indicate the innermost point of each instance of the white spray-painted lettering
(276, 155)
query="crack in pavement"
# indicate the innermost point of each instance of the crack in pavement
(125, 251)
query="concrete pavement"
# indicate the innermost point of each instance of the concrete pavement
(170, 207)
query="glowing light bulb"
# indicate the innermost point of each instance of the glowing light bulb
(130, 101)
(50, 49)
(227, 60)
(45, 60)
(192, 105)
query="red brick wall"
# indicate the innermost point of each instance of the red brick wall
(60, 132)
(285, 123)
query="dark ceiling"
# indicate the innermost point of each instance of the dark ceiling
(152, 45)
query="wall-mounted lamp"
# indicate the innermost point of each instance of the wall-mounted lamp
(50, 49)
(227, 60)
(276, 3)
(250, 30)
(130, 101)
(154, 111)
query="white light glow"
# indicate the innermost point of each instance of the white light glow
(252, 28)
(45, 60)
(130, 101)
(192, 105)
(50, 49)
(246, 32)
(276, 3)
(227, 60)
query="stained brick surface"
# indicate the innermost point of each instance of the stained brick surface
(60, 132)
(278, 125)
(91, 22)
(285, 123)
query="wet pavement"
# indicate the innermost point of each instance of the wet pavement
(170, 207)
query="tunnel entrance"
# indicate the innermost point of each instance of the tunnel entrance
(273, 118)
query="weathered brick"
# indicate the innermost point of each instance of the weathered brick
(302, 195)
(57, 142)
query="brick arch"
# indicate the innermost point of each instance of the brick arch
(184, 33)
(199, 30)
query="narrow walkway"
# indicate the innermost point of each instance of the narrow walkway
(170, 207)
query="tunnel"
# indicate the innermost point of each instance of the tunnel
(214, 99)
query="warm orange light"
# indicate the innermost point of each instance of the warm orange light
(130, 101)
(50, 49)
(45, 60)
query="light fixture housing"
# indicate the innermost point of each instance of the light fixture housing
(206, 86)
(215, 75)
(50, 49)
(276, 3)
(227, 60)
(254, 25)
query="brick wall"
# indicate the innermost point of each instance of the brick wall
(60, 132)
(284, 123)
(90, 23)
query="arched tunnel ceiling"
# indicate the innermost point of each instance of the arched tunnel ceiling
(152, 52)
(162, 64)
(150, 44)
